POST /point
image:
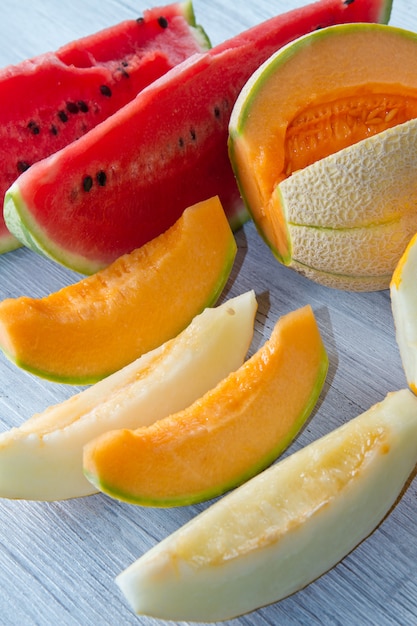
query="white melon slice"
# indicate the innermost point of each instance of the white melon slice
(42, 459)
(403, 291)
(283, 528)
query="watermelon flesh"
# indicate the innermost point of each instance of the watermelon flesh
(58, 97)
(130, 178)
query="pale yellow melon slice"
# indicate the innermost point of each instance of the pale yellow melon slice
(403, 291)
(283, 528)
(43, 458)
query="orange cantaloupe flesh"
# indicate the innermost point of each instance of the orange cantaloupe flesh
(323, 93)
(225, 437)
(94, 327)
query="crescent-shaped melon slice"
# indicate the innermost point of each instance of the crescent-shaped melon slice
(92, 328)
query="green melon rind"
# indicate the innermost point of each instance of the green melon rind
(218, 490)
(8, 242)
(385, 12)
(237, 215)
(200, 34)
(27, 231)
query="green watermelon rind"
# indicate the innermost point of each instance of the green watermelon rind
(18, 221)
(386, 9)
(200, 34)
(8, 243)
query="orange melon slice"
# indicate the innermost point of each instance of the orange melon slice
(228, 435)
(322, 142)
(92, 328)
(285, 527)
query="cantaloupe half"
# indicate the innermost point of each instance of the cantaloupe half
(403, 292)
(226, 436)
(92, 328)
(285, 527)
(323, 149)
(43, 458)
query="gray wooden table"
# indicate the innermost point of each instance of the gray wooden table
(58, 560)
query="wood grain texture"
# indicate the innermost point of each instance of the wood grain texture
(58, 560)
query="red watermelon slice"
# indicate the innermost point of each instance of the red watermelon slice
(130, 178)
(57, 97)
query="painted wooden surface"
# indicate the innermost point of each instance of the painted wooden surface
(58, 560)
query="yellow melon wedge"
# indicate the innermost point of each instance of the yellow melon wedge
(227, 435)
(285, 527)
(403, 291)
(90, 329)
(42, 459)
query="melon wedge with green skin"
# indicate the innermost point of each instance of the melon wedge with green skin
(403, 292)
(96, 326)
(285, 527)
(322, 141)
(228, 435)
(59, 96)
(43, 458)
(131, 177)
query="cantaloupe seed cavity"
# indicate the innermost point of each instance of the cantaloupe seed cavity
(327, 127)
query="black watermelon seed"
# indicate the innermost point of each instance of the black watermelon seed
(63, 116)
(163, 22)
(83, 106)
(125, 63)
(140, 20)
(123, 72)
(216, 112)
(87, 183)
(181, 142)
(22, 166)
(105, 90)
(34, 128)
(101, 178)
(72, 107)
(347, 2)
(54, 129)
(193, 134)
